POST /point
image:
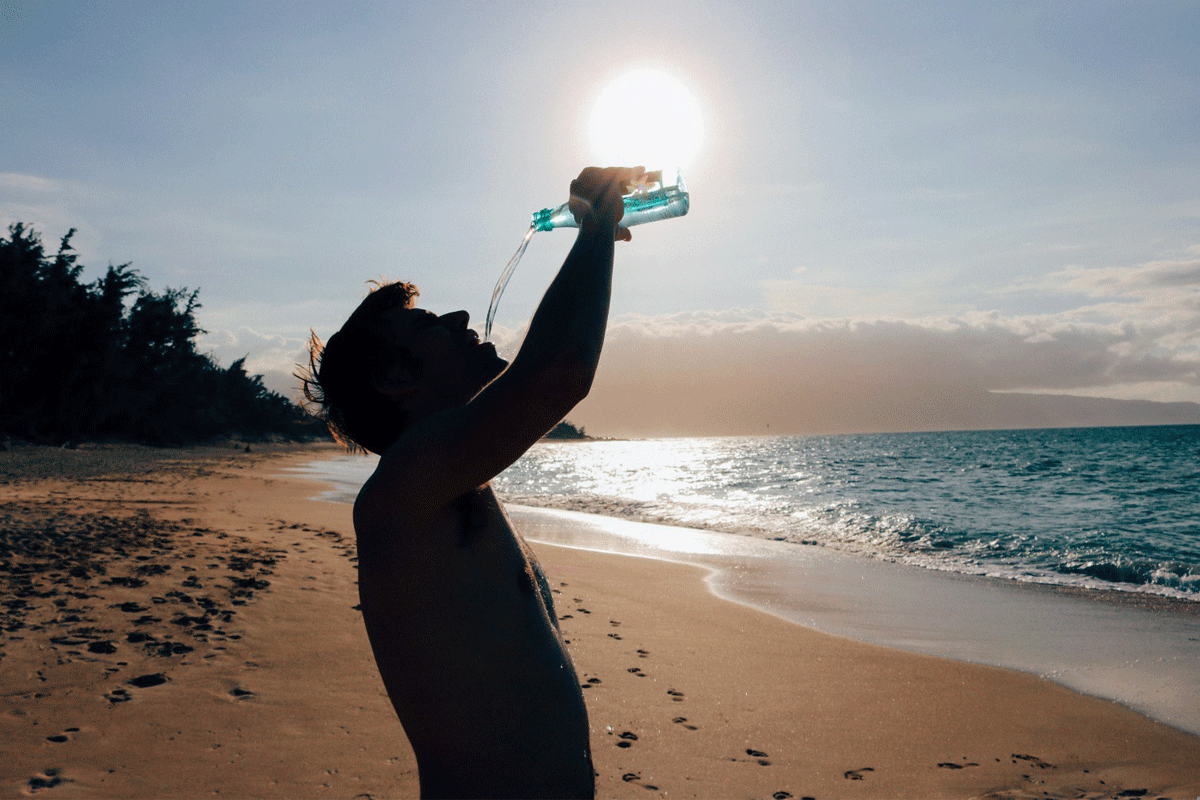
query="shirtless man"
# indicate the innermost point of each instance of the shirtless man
(457, 609)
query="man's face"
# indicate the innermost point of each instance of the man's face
(455, 364)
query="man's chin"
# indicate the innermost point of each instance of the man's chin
(500, 363)
(492, 363)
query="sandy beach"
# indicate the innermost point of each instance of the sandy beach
(183, 623)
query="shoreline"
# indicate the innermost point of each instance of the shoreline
(1145, 656)
(343, 480)
(688, 694)
(1134, 648)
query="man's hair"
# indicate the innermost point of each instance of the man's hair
(343, 373)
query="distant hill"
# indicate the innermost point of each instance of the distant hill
(565, 430)
(1022, 410)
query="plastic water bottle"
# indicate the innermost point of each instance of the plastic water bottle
(647, 201)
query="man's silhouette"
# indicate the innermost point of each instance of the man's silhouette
(459, 614)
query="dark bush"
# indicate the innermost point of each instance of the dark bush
(80, 362)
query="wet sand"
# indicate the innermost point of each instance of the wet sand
(183, 624)
(1140, 650)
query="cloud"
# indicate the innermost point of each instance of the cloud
(273, 357)
(753, 371)
(28, 183)
(1126, 335)
(750, 372)
(1133, 281)
(1158, 294)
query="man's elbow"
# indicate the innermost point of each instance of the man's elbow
(576, 383)
(559, 383)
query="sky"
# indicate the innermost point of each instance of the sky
(904, 216)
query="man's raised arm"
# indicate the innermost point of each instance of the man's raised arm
(567, 331)
(463, 447)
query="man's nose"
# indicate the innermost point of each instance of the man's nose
(456, 319)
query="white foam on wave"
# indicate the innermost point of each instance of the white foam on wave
(838, 526)
(871, 538)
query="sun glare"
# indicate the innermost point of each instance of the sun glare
(646, 117)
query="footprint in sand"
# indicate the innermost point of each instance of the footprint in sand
(684, 722)
(759, 755)
(627, 738)
(676, 696)
(47, 780)
(630, 777)
(168, 649)
(62, 737)
(636, 671)
(146, 681)
(856, 774)
(131, 607)
(643, 653)
(118, 696)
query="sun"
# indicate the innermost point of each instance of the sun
(646, 117)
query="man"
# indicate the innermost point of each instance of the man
(457, 609)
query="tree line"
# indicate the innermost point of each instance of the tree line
(114, 360)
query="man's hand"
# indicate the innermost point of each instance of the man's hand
(596, 197)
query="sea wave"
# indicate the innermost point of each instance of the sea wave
(1095, 508)
(900, 538)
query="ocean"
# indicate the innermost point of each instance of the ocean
(983, 546)
(1095, 508)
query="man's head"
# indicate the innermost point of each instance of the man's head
(392, 363)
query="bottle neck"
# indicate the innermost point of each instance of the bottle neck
(550, 218)
(541, 220)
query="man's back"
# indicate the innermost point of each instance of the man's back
(463, 628)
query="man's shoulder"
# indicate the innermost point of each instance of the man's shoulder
(442, 456)
(393, 519)
(391, 493)
(400, 494)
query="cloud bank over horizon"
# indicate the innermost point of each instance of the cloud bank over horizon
(1126, 352)
(732, 373)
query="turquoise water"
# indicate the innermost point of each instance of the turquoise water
(1097, 507)
(898, 520)
(1114, 508)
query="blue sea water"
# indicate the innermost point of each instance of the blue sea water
(1114, 508)
(1099, 507)
(1095, 508)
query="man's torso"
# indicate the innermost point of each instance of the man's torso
(462, 624)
